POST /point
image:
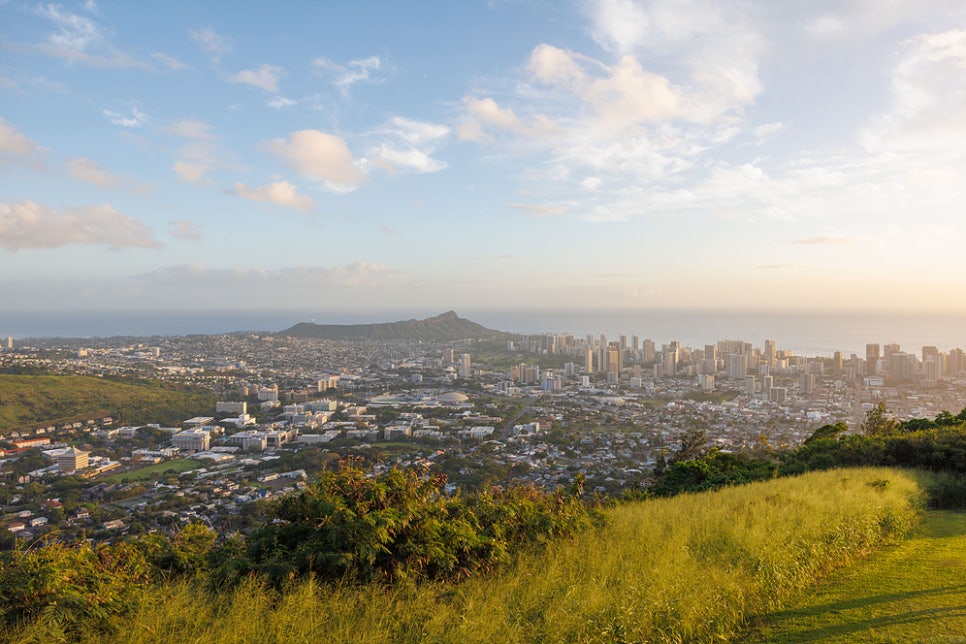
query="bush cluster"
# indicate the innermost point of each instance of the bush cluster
(398, 526)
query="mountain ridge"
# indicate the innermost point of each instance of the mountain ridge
(446, 326)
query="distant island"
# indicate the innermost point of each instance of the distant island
(447, 326)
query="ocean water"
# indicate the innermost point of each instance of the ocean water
(814, 333)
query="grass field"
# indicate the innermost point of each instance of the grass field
(914, 591)
(153, 471)
(694, 568)
(27, 402)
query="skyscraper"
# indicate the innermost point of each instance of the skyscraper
(871, 358)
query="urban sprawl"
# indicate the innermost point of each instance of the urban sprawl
(531, 410)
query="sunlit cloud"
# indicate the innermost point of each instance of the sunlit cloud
(280, 193)
(322, 156)
(27, 225)
(265, 77)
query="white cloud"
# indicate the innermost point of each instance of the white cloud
(823, 240)
(716, 45)
(191, 171)
(137, 118)
(170, 62)
(211, 43)
(191, 129)
(320, 155)
(542, 210)
(826, 26)
(280, 193)
(184, 229)
(26, 224)
(90, 171)
(767, 131)
(265, 77)
(15, 147)
(79, 39)
(74, 32)
(198, 157)
(347, 75)
(408, 145)
(280, 102)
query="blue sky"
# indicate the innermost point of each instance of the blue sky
(438, 155)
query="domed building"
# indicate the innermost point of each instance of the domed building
(453, 399)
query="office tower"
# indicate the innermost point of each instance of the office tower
(648, 350)
(901, 365)
(623, 342)
(614, 360)
(871, 358)
(837, 361)
(955, 362)
(770, 353)
(670, 360)
(888, 350)
(589, 363)
(635, 343)
(736, 365)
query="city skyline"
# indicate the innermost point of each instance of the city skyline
(443, 156)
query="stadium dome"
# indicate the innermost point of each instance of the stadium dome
(453, 398)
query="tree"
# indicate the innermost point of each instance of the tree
(878, 422)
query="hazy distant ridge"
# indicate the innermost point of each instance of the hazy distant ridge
(447, 326)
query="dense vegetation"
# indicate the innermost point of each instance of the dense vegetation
(937, 446)
(691, 568)
(29, 400)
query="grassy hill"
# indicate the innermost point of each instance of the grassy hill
(28, 401)
(696, 567)
(912, 591)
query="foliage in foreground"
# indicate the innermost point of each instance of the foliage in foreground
(690, 568)
(345, 527)
(936, 446)
(399, 526)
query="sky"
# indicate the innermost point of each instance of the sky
(512, 153)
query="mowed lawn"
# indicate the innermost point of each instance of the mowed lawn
(913, 591)
(153, 471)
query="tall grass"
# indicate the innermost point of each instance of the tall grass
(692, 568)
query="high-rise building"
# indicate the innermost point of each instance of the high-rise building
(888, 350)
(614, 360)
(771, 351)
(589, 361)
(648, 350)
(635, 343)
(928, 351)
(871, 358)
(9, 342)
(837, 361)
(901, 365)
(736, 365)
(955, 362)
(465, 366)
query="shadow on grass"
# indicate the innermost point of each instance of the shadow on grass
(846, 628)
(863, 602)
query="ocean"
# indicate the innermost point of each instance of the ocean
(812, 333)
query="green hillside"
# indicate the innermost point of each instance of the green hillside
(693, 568)
(912, 591)
(27, 401)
